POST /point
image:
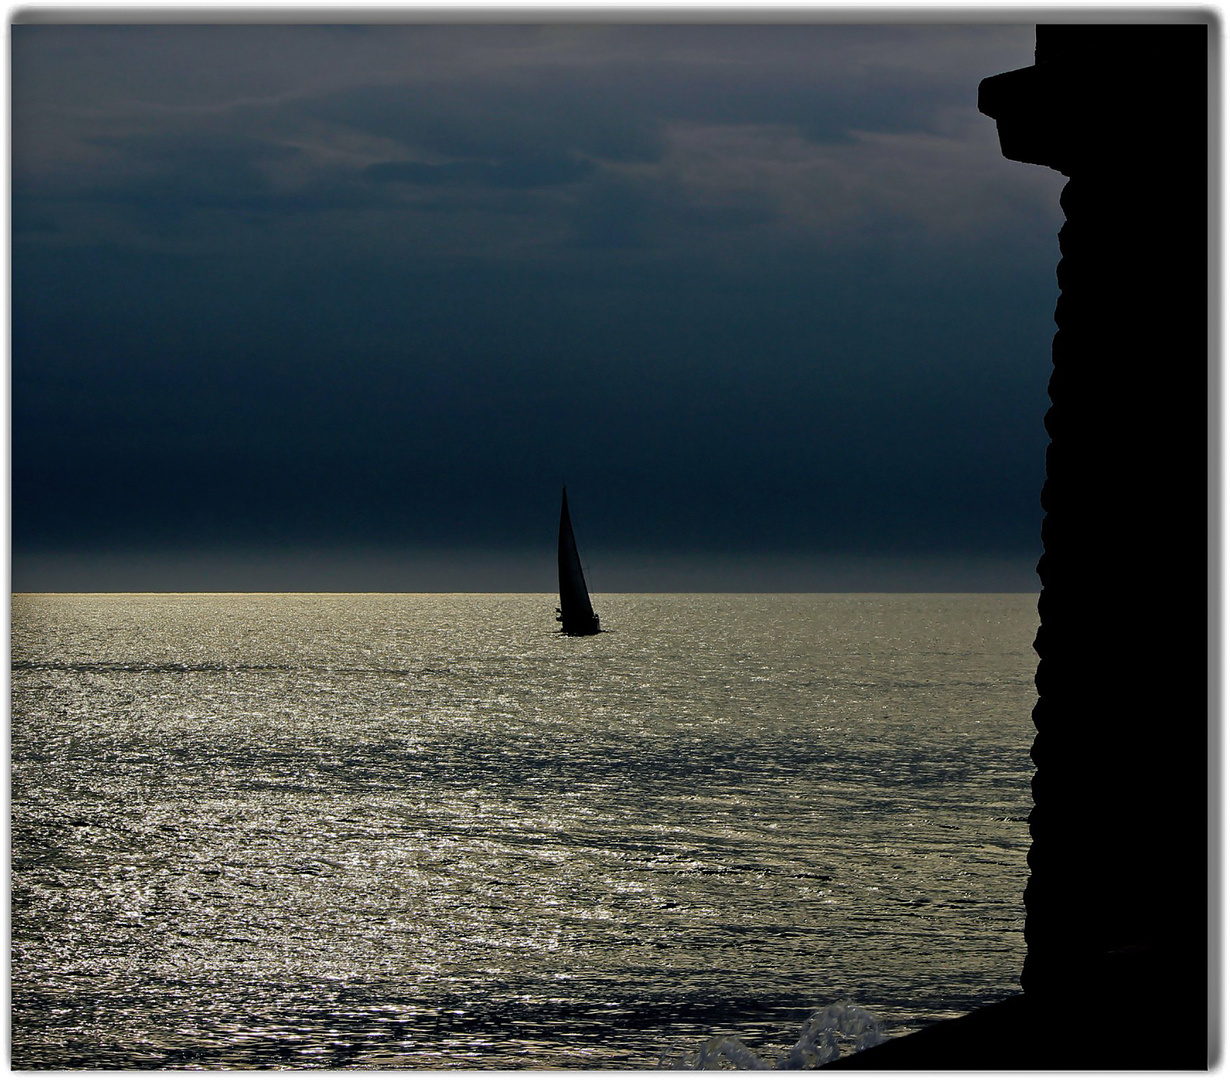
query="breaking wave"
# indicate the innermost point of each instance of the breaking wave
(828, 1032)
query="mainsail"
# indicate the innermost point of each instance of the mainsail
(576, 614)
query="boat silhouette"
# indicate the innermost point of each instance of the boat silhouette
(575, 613)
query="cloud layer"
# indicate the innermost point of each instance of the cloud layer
(749, 288)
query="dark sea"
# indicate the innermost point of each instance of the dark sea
(428, 831)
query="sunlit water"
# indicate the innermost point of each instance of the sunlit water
(428, 831)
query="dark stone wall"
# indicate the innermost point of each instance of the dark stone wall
(1118, 892)
(1118, 906)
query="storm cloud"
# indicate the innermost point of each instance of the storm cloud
(759, 293)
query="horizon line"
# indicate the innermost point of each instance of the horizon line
(521, 592)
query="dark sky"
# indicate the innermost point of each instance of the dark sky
(339, 307)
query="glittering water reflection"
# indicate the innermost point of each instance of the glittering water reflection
(427, 832)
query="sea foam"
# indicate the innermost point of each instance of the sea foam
(827, 1032)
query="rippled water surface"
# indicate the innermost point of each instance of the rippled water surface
(427, 831)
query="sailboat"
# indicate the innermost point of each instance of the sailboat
(575, 614)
